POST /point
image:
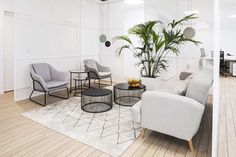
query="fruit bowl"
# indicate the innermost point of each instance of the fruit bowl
(134, 83)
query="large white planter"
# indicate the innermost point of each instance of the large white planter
(151, 83)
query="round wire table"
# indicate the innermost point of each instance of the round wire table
(127, 96)
(96, 100)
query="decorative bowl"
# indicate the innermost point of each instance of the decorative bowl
(134, 83)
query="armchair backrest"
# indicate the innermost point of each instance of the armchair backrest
(199, 86)
(90, 63)
(43, 70)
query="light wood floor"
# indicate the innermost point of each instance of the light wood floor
(20, 136)
(227, 125)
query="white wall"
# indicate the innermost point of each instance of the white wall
(90, 30)
(227, 42)
(59, 32)
(118, 18)
(123, 16)
(5, 5)
(46, 31)
(134, 14)
(227, 26)
(112, 24)
(166, 11)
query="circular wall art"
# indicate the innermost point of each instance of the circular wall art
(103, 38)
(107, 43)
(189, 32)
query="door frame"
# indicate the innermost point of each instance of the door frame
(8, 13)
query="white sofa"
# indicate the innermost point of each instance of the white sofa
(173, 114)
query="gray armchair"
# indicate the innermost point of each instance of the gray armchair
(46, 79)
(97, 71)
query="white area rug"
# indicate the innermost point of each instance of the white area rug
(111, 132)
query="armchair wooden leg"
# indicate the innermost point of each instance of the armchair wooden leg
(143, 132)
(190, 143)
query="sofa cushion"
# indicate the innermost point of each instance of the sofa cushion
(55, 84)
(199, 86)
(43, 70)
(175, 86)
(184, 75)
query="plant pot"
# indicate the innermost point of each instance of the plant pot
(151, 83)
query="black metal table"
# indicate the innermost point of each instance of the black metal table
(127, 96)
(79, 78)
(96, 100)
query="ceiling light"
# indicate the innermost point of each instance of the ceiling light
(190, 12)
(134, 2)
(233, 16)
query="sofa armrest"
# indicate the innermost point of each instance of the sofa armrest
(136, 112)
(171, 114)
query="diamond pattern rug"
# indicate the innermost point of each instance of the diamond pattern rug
(111, 132)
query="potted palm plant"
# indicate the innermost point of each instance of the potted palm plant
(154, 44)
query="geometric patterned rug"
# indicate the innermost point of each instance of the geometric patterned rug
(111, 132)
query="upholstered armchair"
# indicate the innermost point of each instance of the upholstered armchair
(173, 114)
(97, 71)
(47, 79)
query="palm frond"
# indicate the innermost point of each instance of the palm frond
(121, 49)
(122, 38)
(182, 21)
(154, 46)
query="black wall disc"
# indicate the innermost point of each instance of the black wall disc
(107, 43)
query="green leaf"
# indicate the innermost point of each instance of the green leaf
(122, 38)
(120, 50)
(154, 46)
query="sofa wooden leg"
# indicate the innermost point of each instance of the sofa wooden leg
(190, 143)
(143, 132)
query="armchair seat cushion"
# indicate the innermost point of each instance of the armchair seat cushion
(104, 74)
(56, 84)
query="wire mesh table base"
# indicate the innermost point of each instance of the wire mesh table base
(96, 100)
(127, 96)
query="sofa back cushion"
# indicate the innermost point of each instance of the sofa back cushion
(199, 86)
(43, 70)
(184, 75)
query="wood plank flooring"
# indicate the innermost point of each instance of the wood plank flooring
(21, 137)
(227, 124)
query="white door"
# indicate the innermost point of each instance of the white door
(8, 51)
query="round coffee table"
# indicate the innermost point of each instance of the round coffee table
(127, 96)
(96, 100)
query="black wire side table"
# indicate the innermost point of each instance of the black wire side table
(125, 95)
(80, 77)
(96, 100)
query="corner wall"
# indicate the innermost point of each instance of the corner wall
(56, 32)
(46, 31)
(5, 5)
